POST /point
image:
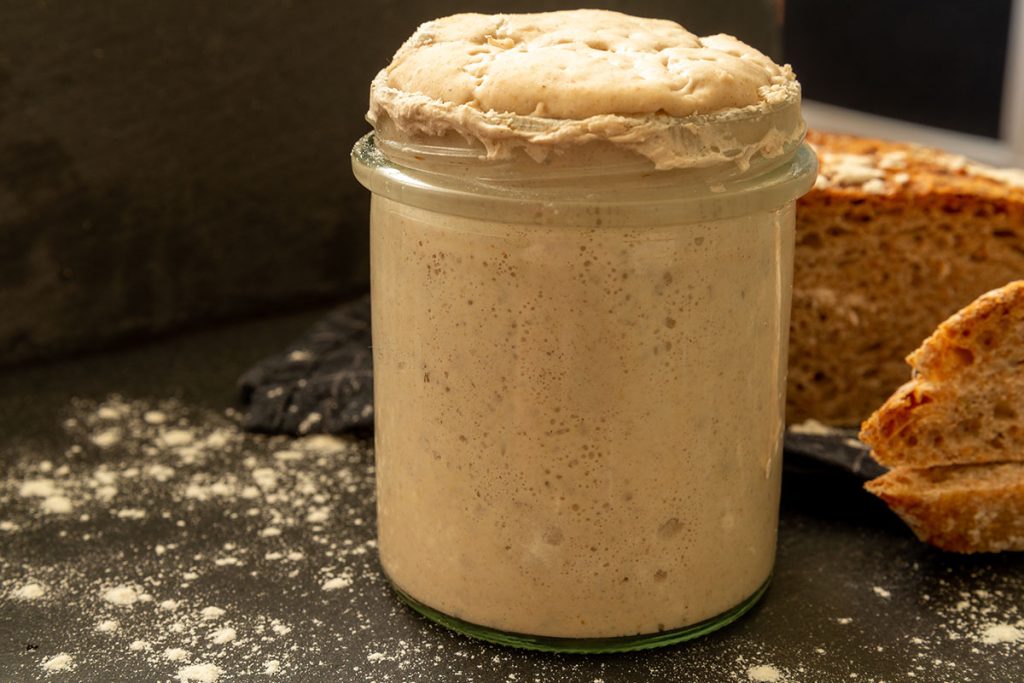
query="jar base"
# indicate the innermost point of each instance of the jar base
(585, 645)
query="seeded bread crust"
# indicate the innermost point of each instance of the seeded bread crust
(962, 509)
(884, 223)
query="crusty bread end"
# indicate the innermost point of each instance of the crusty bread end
(959, 508)
(964, 403)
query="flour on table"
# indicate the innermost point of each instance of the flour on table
(199, 673)
(107, 437)
(29, 591)
(122, 596)
(60, 662)
(212, 612)
(1001, 633)
(150, 464)
(107, 626)
(764, 673)
(222, 635)
(337, 583)
(190, 470)
(57, 505)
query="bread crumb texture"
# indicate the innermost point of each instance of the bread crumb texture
(891, 241)
(953, 434)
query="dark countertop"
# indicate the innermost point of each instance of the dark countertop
(855, 596)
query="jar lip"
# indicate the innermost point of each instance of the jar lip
(463, 189)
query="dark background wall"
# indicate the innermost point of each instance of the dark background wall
(936, 62)
(165, 163)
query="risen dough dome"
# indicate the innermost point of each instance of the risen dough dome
(552, 80)
(581, 63)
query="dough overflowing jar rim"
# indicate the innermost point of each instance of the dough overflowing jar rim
(713, 139)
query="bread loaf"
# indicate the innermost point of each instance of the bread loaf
(954, 434)
(892, 240)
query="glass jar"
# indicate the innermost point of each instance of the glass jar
(580, 371)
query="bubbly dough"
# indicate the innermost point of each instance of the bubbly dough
(581, 63)
(550, 81)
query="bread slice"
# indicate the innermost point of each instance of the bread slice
(886, 223)
(959, 508)
(965, 403)
(954, 434)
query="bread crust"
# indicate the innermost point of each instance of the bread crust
(962, 509)
(953, 434)
(885, 223)
(961, 405)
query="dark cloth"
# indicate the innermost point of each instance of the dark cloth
(323, 383)
(837, 451)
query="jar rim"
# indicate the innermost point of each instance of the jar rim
(464, 185)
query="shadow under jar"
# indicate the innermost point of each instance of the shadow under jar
(579, 385)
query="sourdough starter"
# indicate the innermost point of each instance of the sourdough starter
(578, 428)
(578, 409)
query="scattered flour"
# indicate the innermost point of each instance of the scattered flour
(812, 428)
(107, 626)
(40, 488)
(176, 654)
(764, 673)
(212, 612)
(122, 596)
(107, 438)
(57, 505)
(30, 591)
(1001, 633)
(177, 437)
(289, 456)
(337, 583)
(222, 635)
(61, 662)
(199, 673)
(318, 515)
(185, 473)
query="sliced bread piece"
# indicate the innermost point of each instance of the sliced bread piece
(959, 508)
(965, 403)
(885, 223)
